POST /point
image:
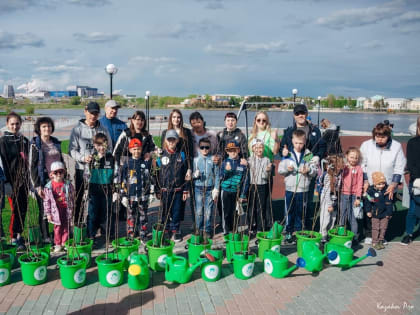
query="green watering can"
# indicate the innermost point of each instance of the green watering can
(275, 231)
(177, 269)
(138, 272)
(312, 259)
(276, 264)
(345, 255)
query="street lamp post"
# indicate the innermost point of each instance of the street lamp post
(112, 70)
(319, 107)
(147, 98)
(294, 92)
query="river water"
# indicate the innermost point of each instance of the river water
(357, 122)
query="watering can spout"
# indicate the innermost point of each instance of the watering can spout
(288, 271)
(371, 253)
(191, 270)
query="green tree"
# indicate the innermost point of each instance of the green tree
(75, 100)
(120, 100)
(331, 100)
(3, 101)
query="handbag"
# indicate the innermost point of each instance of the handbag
(358, 212)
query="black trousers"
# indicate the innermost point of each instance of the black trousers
(228, 210)
(79, 191)
(19, 208)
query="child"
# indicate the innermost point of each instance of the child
(260, 170)
(100, 188)
(2, 194)
(172, 183)
(234, 183)
(58, 204)
(351, 190)
(206, 187)
(135, 176)
(330, 181)
(379, 207)
(298, 168)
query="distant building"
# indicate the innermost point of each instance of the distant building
(86, 91)
(8, 91)
(396, 103)
(369, 102)
(130, 96)
(223, 97)
(414, 104)
(60, 94)
(360, 101)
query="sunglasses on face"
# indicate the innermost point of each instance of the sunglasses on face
(261, 120)
(58, 172)
(204, 147)
(300, 113)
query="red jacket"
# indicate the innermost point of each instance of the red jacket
(352, 181)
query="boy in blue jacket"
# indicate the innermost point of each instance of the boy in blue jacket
(234, 184)
(206, 187)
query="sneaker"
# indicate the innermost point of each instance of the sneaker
(384, 242)
(368, 240)
(58, 248)
(14, 241)
(177, 236)
(20, 244)
(377, 246)
(407, 239)
(289, 238)
(381, 245)
(47, 240)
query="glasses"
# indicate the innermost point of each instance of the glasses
(58, 172)
(261, 121)
(204, 147)
(300, 113)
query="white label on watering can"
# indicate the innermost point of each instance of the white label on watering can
(347, 244)
(248, 269)
(268, 266)
(211, 271)
(79, 276)
(4, 275)
(113, 277)
(40, 273)
(162, 261)
(335, 261)
(276, 248)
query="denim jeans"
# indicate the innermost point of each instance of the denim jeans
(411, 218)
(295, 207)
(347, 214)
(203, 208)
(172, 207)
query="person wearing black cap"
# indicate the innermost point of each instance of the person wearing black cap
(81, 148)
(314, 143)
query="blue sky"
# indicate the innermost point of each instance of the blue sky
(180, 47)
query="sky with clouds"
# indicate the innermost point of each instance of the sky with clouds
(180, 47)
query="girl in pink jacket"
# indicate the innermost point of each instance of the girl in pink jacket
(58, 204)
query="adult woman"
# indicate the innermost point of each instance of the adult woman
(186, 140)
(44, 150)
(137, 129)
(262, 130)
(382, 154)
(413, 166)
(14, 153)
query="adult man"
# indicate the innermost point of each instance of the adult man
(200, 131)
(81, 149)
(111, 122)
(314, 143)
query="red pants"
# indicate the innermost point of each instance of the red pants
(61, 234)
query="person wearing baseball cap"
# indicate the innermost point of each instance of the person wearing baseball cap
(114, 125)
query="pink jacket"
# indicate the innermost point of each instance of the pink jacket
(352, 181)
(50, 206)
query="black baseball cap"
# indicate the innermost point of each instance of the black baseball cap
(300, 108)
(93, 107)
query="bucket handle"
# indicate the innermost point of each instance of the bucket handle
(257, 241)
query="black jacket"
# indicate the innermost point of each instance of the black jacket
(121, 151)
(171, 171)
(14, 151)
(314, 142)
(413, 158)
(184, 145)
(223, 137)
(378, 204)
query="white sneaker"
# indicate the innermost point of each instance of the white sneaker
(384, 242)
(368, 240)
(58, 248)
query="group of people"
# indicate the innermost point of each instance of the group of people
(121, 167)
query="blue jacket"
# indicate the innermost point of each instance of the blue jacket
(209, 172)
(171, 171)
(135, 176)
(236, 179)
(114, 126)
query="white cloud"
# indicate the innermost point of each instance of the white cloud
(58, 68)
(89, 3)
(96, 37)
(146, 60)
(213, 4)
(360, 16)
(231, 68)
(161, 70)
(3, 71)
(410, 17)
(373, 44)
(7, 6)
(240, 48)
(35, 85)
(188, 30)
(16, 41)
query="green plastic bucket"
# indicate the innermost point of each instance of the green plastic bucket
(157, 255)
(79, 233)
(265, 243)
(72, 276)
(243, 265)
(35, 234)
(34, 272)
(195, 250)
(42, 248)
(235, 244)
(110, 270)
(212, 271)
(306, 236)
(344, 239)
(84, 249)
(10, 249)
(126, 248)
(6, 261)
